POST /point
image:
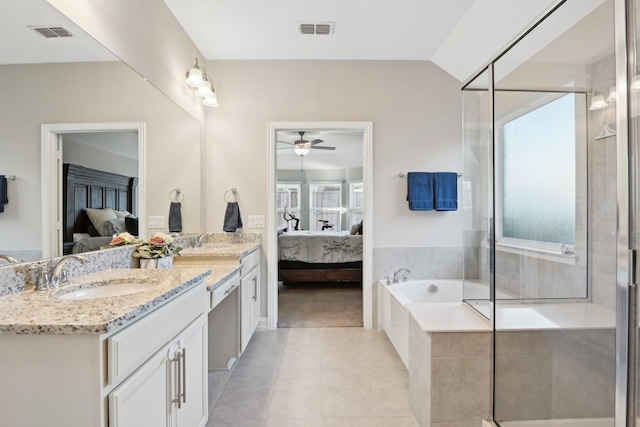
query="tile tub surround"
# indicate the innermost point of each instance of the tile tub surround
(424, 262)
(555, 374)
(41, 312)
(449, 376)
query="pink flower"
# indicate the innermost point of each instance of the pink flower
(117, 241)
(160, 240)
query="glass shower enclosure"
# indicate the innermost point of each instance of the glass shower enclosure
(550, 213)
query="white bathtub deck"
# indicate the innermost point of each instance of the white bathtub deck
(448, 317)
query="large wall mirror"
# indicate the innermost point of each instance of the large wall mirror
(50, 77)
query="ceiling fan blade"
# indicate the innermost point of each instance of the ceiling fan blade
(323, 148)
(285, 142)
(316, 141)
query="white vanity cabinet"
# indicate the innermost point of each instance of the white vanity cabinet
(249, 297)
(150, 372)
(169, 389)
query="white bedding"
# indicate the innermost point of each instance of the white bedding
(320, 246)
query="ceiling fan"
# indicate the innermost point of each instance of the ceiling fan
(302, 146)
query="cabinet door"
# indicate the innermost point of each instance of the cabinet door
(246, 298)
(142, 399)
(192, 389)
(255, 301)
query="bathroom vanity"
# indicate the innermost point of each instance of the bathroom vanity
(134, 358)
(235, 302)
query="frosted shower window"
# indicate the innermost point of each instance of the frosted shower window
(538, 173)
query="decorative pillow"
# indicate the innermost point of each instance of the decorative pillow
(122, 214)
(99, 216)
(131, 222)
(114, 226)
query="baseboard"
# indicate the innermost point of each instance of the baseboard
(262, 324)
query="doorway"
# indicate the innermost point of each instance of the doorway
(365, 129)
(51, 174)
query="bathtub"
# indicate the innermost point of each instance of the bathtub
(393, 316)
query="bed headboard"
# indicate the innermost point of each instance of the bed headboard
(90, 188)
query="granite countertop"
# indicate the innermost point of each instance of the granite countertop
(221, 250)
(219, 273)
(43, 312)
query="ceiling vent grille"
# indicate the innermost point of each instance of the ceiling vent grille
(316, 28)
(52, 32)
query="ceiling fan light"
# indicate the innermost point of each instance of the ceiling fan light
(301, 150)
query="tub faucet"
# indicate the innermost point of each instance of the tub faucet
(9, 259)
(57, 273)
(201, 237)
(400, 275)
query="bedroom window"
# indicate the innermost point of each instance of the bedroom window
(287, 198)
(356, 206)
(325, 203)
(537, 199)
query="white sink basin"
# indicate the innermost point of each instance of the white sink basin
(105, 290)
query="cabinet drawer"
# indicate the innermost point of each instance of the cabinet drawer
(128, 349)
(247, 263)
(225, 289)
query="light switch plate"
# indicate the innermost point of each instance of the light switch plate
(155, 221)
(256, 221)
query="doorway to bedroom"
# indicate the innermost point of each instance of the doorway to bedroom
(320, 182)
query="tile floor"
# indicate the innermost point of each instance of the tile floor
(313, 377)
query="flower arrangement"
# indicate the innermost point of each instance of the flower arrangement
(123, 239)
(160, 245)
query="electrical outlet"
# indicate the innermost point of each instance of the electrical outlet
(256, 221)
(155, 221)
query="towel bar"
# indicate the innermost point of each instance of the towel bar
(176, 198)
(404, 175)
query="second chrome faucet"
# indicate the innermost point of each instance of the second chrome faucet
(53, 275)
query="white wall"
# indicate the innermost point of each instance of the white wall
(77, 153)
(415, 108)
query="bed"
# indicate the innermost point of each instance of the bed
(319, 256)
(86, 188)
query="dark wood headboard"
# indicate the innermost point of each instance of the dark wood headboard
(89, 188)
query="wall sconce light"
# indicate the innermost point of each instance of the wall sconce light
(598, 103)
(198, 80)
(612, 94)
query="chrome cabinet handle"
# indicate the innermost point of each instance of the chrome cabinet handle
(255, 288)
(184, 375)
(178, 359)
(231, 289)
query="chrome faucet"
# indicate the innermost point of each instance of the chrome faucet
(400, 275)
(55, 274)
(9, 259)
(201, 238)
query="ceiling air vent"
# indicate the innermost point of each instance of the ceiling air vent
(52, 32)
(316, 28)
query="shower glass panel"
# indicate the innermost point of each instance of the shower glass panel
(476, 192)
(555, 236)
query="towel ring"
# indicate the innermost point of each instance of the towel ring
(177, 197)
(234, 193)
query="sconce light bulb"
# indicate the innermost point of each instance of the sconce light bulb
(204, 90)
(598, 103)
(211, 100)
(195, 77)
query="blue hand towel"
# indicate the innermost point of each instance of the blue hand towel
(3, 192)
(446, 191)
(420, 191)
